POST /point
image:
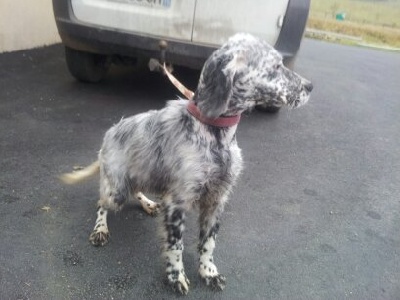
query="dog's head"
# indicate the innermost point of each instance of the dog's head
(244, 72)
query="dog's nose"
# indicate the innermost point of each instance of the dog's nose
(309, 87)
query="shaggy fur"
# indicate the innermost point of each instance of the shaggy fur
(171, 153)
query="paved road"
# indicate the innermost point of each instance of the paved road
(314, 216)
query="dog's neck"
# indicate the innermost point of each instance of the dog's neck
(221, 122)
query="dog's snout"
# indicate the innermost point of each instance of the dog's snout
(308, 87)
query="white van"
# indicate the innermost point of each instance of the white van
(97, 33)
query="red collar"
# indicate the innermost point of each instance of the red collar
(218, 122)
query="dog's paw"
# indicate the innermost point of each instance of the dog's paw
(149, 206)
(209, 273)
(99, 237)
(179, 282)
(216, 283)
(152, 209)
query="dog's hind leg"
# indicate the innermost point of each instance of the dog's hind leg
(210, 213)
(149, 206)
(100, 234)
(173, 217)
(115, 201)
(110, 199)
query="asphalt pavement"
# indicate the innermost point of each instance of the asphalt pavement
(315, 214)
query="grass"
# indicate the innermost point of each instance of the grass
(375, 21)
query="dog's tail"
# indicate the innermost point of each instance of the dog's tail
(80, 175)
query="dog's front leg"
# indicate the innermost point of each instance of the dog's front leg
(173, 226)
(210, 213)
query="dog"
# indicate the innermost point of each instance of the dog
(187, 152)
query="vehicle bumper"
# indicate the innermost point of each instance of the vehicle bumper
(85, 37)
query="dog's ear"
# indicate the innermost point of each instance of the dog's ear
(215, 85)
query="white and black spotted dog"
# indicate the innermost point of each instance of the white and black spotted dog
(187, 151)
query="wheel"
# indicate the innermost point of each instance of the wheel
(268, 108)
(86, 66)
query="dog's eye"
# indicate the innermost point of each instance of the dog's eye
(278, 66)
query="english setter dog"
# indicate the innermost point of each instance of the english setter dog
(187, 152)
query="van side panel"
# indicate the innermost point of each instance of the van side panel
(216, 20)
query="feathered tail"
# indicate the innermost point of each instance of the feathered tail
(80, 175)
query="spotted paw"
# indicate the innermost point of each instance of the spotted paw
(179, 282)
(99, 238)
(216, 283)
(152, 209)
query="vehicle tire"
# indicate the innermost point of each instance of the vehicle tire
(86, 66)
(267, 108)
